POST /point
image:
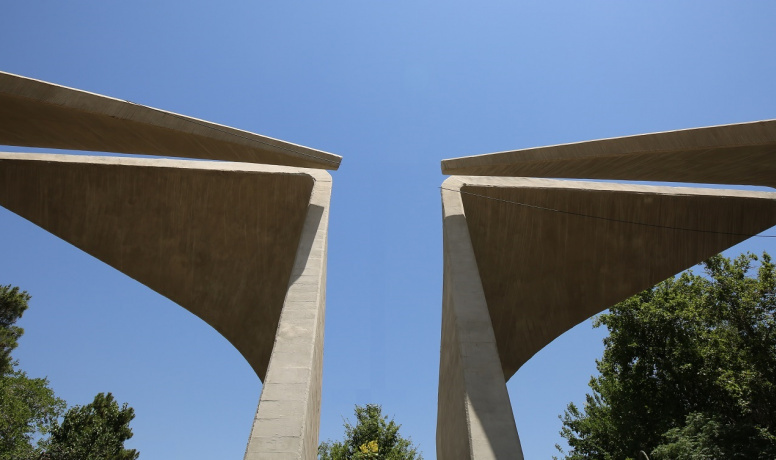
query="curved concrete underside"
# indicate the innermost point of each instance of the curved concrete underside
(544, 272)
(35, 113)
(742, 154)
(527, 259)
(241, 246)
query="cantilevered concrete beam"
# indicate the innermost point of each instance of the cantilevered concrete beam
(527, 259)
(742, 154)
(241, 246)
(35, 113)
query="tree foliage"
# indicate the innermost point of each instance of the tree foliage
(13, 303)
(94, 431)
(29, 410)
(28, 407)
(688, 371)
(373, 437)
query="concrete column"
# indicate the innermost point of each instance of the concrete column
(474, 418)
(288, 417)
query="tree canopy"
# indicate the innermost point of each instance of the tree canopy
(13, 303)
(28, 407)
(30, 411)
(94, 431)
(688, 371)
(373, 437)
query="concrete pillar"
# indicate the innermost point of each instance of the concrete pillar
(288, 417)
(474, 418)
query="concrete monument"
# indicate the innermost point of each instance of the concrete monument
(241, 245)
(526, 259)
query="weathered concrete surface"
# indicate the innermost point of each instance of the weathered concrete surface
(730, 154)
(543, 265)
(288, 418)
(241, 246)
(474, 414)
(219, 239)
(35, 113)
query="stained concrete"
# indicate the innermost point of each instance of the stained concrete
(527, 259)
(241, 246)
(35, 113)
(742, 154)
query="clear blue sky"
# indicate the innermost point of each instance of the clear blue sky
(394, 87)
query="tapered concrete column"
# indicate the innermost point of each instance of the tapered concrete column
(288, 417)
(474, 412)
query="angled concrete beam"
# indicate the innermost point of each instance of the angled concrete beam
(241, 246)
(528, 259)
(288, 417)
(742, 154)
(35, 113)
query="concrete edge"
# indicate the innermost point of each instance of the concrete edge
(459, 182)
(319, 175)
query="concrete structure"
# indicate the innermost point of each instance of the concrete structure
(240, 245)
(526, 259)
(743, 154)
(35, 113)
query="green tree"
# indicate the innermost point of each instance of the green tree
(95, 431)
(688, 371)
(373, 437)
(28, 410)
(28, 407)
(13, 303)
